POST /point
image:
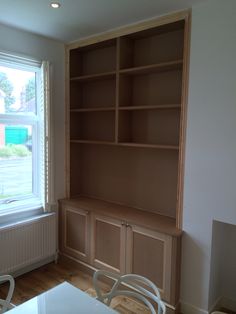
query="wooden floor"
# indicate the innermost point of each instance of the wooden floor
(46, 277)
(50, 275)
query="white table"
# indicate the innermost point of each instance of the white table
(63, 299)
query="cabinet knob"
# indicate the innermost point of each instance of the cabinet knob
(122, 224)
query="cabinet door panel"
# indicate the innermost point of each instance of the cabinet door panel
(76, 233)
(149, 254)
(108, 244)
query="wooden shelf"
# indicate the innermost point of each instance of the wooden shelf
(147, 219)
(93, 109)
(92, 142)
(144, 145)
(138, 145)
(158, 107)
(153, 68)
(151, 107)
(94, 77)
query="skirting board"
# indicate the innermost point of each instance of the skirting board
(186, 308)
(221, 302)
(224, 302)
(228, 304)
(31, 267)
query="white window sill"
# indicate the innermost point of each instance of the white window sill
(12, 213)
(24, 221)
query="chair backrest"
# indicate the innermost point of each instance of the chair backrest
(135, 288)
(5, 305)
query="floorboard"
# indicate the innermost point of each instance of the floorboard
(40, 280)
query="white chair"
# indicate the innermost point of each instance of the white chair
(6, 305)
(135, 288)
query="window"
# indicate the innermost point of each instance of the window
(24, 134)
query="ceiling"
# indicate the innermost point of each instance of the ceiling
(76, 19)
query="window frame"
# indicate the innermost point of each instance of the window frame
(41, 131)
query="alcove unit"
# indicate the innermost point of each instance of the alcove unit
(126, 112)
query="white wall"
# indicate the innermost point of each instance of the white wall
(16, 41)
(210, 168)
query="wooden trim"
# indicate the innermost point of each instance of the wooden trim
(67, 125)
(167, 266)
(129, 249)
(175, 271)
(125, 30)
(183, 121)
(117, 89)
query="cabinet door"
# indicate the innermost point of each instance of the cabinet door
(108, 243)
(75, 233)
(148, 253)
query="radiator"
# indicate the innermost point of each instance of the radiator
(27, 243)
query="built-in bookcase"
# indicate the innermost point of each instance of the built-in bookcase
(125, 118)
(126, 121)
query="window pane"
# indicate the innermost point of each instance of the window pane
(17, 91)
(15, 163)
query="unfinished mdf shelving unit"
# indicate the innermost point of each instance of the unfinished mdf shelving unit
(125, 137)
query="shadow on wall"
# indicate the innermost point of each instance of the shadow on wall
(222, 293)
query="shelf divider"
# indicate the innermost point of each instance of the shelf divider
(93, 77)
(92, 142)
(152, 68)
(158, 146)
(127, 144)
(160, 107)
(93, 109)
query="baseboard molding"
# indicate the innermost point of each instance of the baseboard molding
(33, 266)
(223, 303)
(186, 308)
(220, 303)
(216, 306)
(228, 304)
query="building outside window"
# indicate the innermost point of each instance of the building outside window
(24, 135)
